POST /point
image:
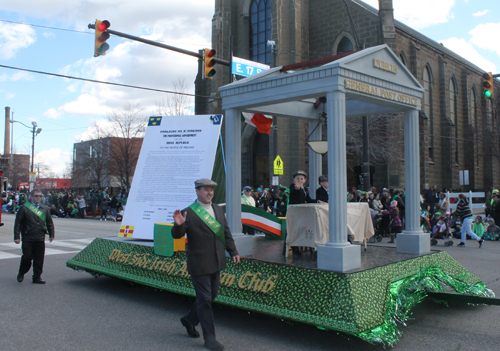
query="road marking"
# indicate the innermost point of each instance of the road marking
(13, 250)
(4, 255)
(57, 252)
(65, 244)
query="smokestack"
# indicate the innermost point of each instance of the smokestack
(6, 145)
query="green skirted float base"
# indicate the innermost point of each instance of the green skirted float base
(368, 304)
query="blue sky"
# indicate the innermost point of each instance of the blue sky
(66, 109)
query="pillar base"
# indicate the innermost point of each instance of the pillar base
(339, 258)
(414, 242)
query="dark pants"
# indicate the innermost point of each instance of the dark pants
(81, 213)
(104, 213)
(32, 251)
(206, 287)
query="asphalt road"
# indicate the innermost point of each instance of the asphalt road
(75, 311)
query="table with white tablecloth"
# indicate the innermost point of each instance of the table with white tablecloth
(307, 224)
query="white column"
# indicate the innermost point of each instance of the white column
(315, 159)
(233, 170)
(412, 240)
(338, 254)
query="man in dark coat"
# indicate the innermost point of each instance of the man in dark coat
(208, 238)
(33, 222)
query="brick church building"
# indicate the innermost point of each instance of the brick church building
(459, 127)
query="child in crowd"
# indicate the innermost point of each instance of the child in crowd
(439, 229)
(396, 225)
(492, 231)
(478, 226)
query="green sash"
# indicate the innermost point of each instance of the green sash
(209, 221)
(36, 211)
(246, 200)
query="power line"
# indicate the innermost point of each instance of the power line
(87, 32)
(108, 83)
(40, 26)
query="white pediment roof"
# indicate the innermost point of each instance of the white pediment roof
(379, 62)
(374, 75)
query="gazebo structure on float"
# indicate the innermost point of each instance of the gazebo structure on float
(367, 82)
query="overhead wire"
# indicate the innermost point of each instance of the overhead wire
(108, 83)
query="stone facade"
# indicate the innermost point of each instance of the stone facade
(457, 134)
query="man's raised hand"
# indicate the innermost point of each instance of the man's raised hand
(179, 218)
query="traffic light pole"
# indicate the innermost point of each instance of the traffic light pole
(163, 46)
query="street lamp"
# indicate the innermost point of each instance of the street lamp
(35, 132)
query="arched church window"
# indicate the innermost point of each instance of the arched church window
(260, 31)
(472, 108)
(345, 45)
(427, 78)
(452, 91)
(403, 59)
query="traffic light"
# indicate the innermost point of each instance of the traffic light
(488, 85)
(101, 35)
(209, 71)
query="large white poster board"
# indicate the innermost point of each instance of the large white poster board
(176, 151)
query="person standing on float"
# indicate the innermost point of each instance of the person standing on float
(208, 239)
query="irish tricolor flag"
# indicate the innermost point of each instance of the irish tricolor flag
(261, 122)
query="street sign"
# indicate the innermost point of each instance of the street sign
(247, 68)
(278, 166)
(276, 181)
(32, 177)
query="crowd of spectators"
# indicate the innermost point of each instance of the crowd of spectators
(70, 204)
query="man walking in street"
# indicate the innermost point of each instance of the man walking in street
(208, 238)
(33, 222)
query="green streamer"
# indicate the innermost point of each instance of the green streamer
(406, 293)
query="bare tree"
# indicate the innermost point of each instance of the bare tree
(126, 134)
(177, 104)
(18, 170)
(386, 143)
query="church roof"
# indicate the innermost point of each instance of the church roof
(420, 37)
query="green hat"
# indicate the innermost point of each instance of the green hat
(438, 213)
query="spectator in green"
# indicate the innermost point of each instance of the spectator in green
(478, 226)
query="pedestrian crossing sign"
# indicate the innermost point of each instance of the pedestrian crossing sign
(278, 166)
(126, 231)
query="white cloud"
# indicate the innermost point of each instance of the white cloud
(419, 16)
(55, 158)
(52, 113)
(10, 96)
(480, 13)
(48, 34)
(20, 75)
(488, 42)
(127, 16)
(14, 37)
(98, 127)
(84, 105)
(465, 49)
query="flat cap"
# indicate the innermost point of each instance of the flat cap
(323, 178)
(204, 182)
(299, 172)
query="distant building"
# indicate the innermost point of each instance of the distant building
(53, 183)
(105, 162)
(459, 130)
(16, 168)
